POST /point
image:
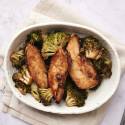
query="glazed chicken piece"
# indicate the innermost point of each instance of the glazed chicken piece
(80, 70)
(57, 74)
(36, 66)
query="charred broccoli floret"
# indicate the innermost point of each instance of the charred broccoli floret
(22, 76)
(35, 92)
(35, 38)
(18, 58)
(26, 75)
(103, 66)
(53, 42)
(46, 96)
(99, 56)
(91, 48)
(74, 95)
(23, 88)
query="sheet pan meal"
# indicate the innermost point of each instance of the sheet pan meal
(58, 66)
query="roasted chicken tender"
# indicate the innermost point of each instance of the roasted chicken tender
(80, 70)
(57, 74)
(36, 66)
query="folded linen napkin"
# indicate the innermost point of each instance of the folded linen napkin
(43, 12)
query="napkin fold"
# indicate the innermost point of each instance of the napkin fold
(49, 11)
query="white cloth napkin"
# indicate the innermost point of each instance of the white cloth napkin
(49, 11)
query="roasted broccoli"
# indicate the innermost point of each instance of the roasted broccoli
(103, 67)
(23, 88)
(53, 42)
(46, 96)
(99, 56)
(35, 92)
(74, 95)
(18, 58)
(35, 38)
(22, 76)
(91, 48)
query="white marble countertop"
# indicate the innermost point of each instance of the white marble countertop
(108, 14)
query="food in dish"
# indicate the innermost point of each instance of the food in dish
(36, 66)
(58, 66)
(57, 73)
(80, 69)
(52, 42)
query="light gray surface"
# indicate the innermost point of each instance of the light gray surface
(108, 15)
